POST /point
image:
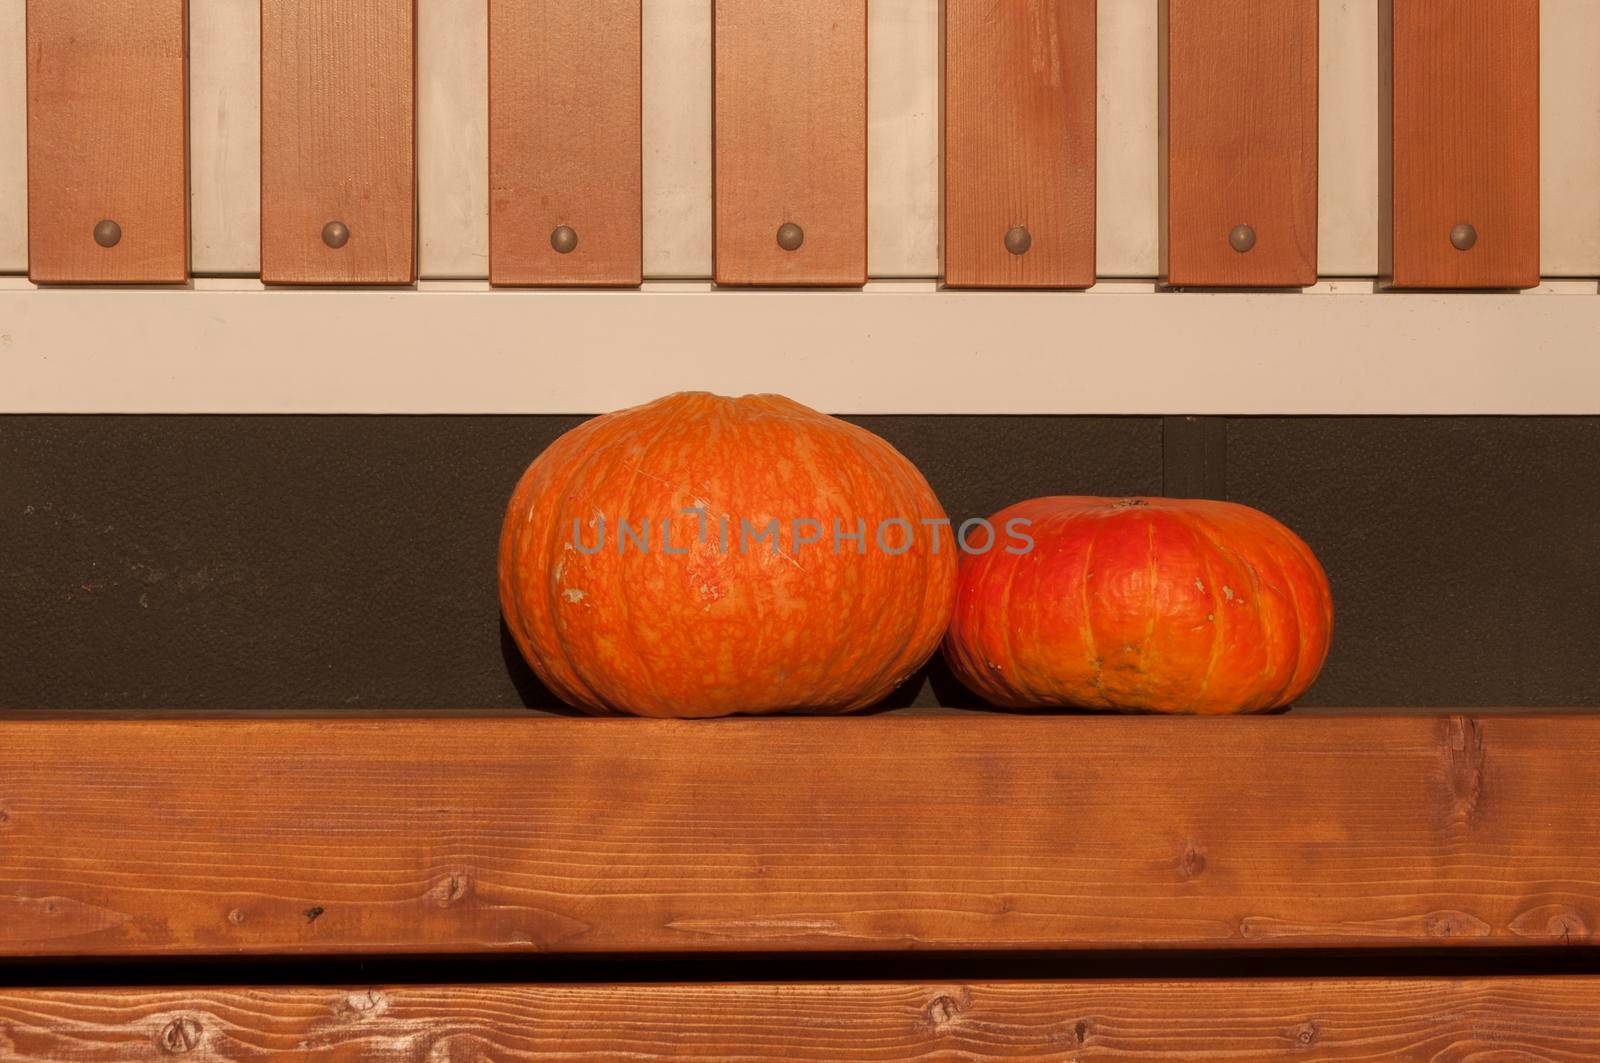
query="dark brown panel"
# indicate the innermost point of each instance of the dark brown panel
(1243, 1021)
(306, 562)
(1463, 552)
(888, 832)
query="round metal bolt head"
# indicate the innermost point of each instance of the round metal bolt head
(1242, 238)
(563, 239)
(108, 233)
(336, 234)
(1464, 237)
(1018, 240)
(790, 236)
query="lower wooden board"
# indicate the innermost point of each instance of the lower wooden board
(886, 832)
(1325, 1019)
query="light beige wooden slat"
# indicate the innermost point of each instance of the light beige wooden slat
(1220, 1020)
(903, 138)
(1569, 140)
(108, 182)
(564, 143)
(1347, 184)
(453, 139)
(338, 142)
(676, 91)
(1128, 135)
(225, 137)
(13, 138)
(790, 95)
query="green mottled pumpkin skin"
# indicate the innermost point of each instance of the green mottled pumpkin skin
(1142, 605)
(718, 629)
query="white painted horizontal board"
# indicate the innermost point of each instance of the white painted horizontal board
(1128, 140)
(675, 91)
(1569, 138)
(13, 138)
(1347, 156)
(225, 137)
(903, 63)
(453, 138)
(891, 349)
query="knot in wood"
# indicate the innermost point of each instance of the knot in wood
(180, 1036)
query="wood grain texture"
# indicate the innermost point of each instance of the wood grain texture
(338, 141)
(790, 112)
(564, 142)
(1241, 141)
(877, 833)
(1019, 143)
(1556, 1018)
(107, 140)
(1464, 143)
(225, 138)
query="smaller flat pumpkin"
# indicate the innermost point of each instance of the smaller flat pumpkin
(1141, 605)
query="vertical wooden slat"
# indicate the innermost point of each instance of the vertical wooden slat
(903, 135)
(13, 138)
(225, 137)
(452, 139)
(1241, 142)
(564, 147)
(790, 86)
(338, 141)
(1569, 138)
(1019, 144)
(1464, 143)
(1347, 154)
(1128, 183)
(676, 103)
(107, 142)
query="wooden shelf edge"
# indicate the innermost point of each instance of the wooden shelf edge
(882, 833)
(1362, 1018)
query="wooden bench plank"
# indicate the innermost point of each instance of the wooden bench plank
(1241, 142)
(1019, 144)
(1464, 129)
(879, 833)
(790, 141)
(108, 178)
(1325, 1019)
(564, 147)
(338, 142)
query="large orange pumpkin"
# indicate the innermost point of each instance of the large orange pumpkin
(787, 565)
(1143, 605)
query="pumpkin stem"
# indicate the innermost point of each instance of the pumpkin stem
(1121, 503)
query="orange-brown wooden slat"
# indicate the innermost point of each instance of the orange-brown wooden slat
(338, 142)
(790, 111)
(1019, 144)
(966, 831)
(1461, 208)
(108, 172)
(1549, 1018)
(1241, 143)
(565, 157)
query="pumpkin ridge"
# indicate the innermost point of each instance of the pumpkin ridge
(1090, 642)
